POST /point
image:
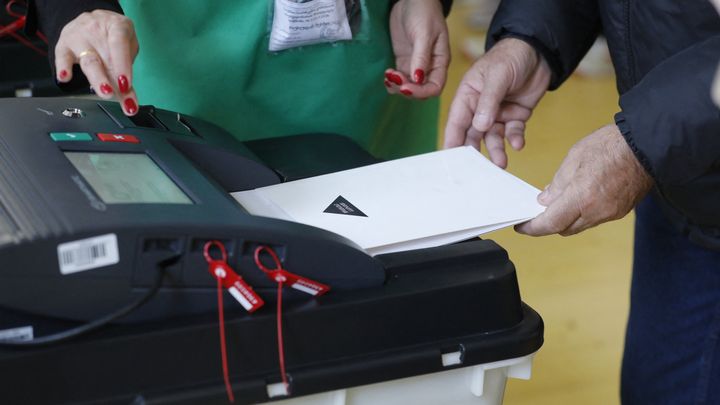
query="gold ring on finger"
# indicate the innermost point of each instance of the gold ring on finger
(86, 53)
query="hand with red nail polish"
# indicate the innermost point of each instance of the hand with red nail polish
(394, 78)
(419, 76)
(130, 106)
(123, 84)
(421, 45)
(104, 44)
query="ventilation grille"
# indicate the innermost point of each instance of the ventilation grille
(24, 213)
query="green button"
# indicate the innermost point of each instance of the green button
(70, 136)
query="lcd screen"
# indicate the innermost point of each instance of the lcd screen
(127, 178)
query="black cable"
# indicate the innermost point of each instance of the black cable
(100, 322)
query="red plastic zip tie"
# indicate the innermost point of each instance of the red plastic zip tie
(41, 36)
(9, 8)
(12, 28)
(17, 25)
(281, 344)
(277, 276)
(295, 281)
(221, 316)
(236, 286)
(223, 345)
(281, 277)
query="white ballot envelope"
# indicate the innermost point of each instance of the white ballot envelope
(416, 202)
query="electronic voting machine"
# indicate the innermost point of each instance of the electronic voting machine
(106, 225)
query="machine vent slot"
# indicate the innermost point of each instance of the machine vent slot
(8, 228)
(24, 208)
(185, 123)
(111, 116)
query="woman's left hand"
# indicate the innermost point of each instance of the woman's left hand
(422, 49)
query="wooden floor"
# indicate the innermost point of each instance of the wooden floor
(579, 284)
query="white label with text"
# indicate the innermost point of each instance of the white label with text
(88, 254)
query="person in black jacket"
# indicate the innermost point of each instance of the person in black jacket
(660, 154)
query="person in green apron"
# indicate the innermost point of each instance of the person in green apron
(214, 62)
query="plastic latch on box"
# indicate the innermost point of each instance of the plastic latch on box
(452, 359)
(520, 368)
(276, 390)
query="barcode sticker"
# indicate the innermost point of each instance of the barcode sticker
(87, 254)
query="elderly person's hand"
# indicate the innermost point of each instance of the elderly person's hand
(422, 49)
(104, 44)
(600, 180)
(496, 98)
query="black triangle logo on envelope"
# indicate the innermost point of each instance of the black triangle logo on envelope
(343, 206)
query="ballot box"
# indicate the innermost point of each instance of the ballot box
(447, 328)
(110, 292)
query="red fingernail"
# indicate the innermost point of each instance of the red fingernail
(105, 88)
(406, 92)
(63, 74)
(130, 106)
(419, 76)
(387, 83)
(394, 78)
(123, 84)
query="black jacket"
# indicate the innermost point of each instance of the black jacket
(665, 54)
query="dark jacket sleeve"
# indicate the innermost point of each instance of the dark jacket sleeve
(50, 16)
(671, 123)
(562, 31)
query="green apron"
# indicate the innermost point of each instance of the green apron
(211, 60)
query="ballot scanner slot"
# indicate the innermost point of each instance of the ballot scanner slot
(231, 170)
(145, 118)
(301, 156)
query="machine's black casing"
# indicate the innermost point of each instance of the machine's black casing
(460, 298)
(386, 317)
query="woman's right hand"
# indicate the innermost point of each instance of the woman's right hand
(104, 44)
(421, 45)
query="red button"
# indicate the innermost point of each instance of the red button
(118, 138)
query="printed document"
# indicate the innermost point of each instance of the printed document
(416, 202)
